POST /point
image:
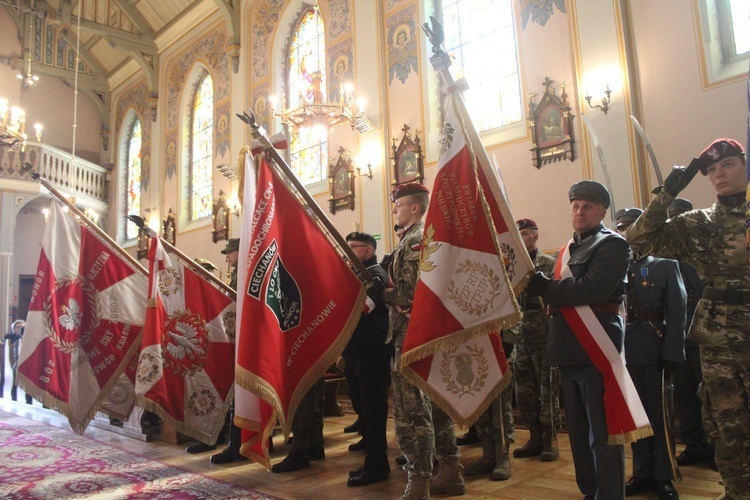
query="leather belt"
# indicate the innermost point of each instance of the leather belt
(606, 308)
(656, 315)
(736, 297)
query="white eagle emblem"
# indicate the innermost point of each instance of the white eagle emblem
(187, 343)
(71, 319)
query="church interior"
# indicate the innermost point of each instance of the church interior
(130, 107)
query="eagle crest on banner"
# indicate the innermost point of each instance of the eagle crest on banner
(68, 296)
(476, 294)
(469, 373)
(186, 343)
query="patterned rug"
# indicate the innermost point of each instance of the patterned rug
(39, 461)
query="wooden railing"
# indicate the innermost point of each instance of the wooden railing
(80, 178)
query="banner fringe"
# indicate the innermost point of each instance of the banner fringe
(629, 437)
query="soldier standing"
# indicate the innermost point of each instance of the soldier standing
(420, 426)
(654, 343)
(712, 240)
(688, 376)
(532, 375)
(592, 277)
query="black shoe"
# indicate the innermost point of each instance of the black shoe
(687, 457)
(357, 471)
(358, 446)
(227, 456)
(355, 427)
(639, 485)
(316, 453)
(199, 447)
(666, 490)
(468, 438)
(291, 463)
(401, 460)
(368, 476)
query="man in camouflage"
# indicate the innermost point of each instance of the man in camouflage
(713, 241)
(532, 376)
(420, 426)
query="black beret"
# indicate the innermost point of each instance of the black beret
(406, 189)
(627, 215)
(679, 206)
(589, 190)
(718, 150)
(363, 238)
(233, 244)
(526, 224)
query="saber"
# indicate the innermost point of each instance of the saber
(647, 143)
(667, 410)
(595, 140)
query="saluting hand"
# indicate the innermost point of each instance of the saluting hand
(680, 178)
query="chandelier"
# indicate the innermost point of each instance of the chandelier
(315, 112)
(13, 126)
(28, 79)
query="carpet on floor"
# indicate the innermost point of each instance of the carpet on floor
(39, 461)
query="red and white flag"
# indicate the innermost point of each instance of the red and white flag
(185, 370)
(463, 295)
(626, 418)
(300, 301)
(85, 320)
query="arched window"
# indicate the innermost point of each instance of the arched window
(133, 178)
(472, 30)
(201, 149)
(307, 70)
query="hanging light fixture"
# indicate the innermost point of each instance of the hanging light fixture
(28, 79)
(316, 112)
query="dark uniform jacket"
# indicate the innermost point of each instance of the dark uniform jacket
(368, 339)
(598, 261)
(656, 312)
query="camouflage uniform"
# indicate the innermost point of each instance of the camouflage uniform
(532, 377)
(712, 240)
(420, 426)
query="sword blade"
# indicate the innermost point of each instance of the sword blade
(667, 409)
(595, 140)
(647, 143)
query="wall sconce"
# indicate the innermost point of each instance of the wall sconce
(169, 228)
(604, 106)
(369, 170)
(234, 206)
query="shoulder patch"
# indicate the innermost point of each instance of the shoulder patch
(416, 247)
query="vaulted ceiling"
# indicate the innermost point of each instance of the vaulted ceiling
(112, 34)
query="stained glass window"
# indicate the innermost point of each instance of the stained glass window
(133, 180)
(481, 39)
(307, 56)
(739, 11)
(201, 148)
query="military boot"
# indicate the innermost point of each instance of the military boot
(417, 488)
(448, 479)
(533, 446)
(502, 464)
(550, 451)
(484, 465)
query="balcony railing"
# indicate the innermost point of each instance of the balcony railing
(80, 178)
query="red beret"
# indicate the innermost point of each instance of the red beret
(406, 189)
(718, 150)
(526, 224)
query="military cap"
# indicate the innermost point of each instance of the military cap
(362, 238)
(679, 206)
(406, 189)
(589, 190)
(233, 244)
(626, 216)
(718, 150)
(206, 264)
(526, 224)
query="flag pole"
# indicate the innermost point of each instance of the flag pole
(85, 220)
(199, 270)
(259, 133)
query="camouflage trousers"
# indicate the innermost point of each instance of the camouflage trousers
(532, 381)
(726, 415)
(497, 419)
(422, 429)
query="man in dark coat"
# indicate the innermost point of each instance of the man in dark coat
(654, 344)
(368, 360)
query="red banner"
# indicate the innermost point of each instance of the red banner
(463, 293)
(84, 323)
(184, 373)
(300, 303)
